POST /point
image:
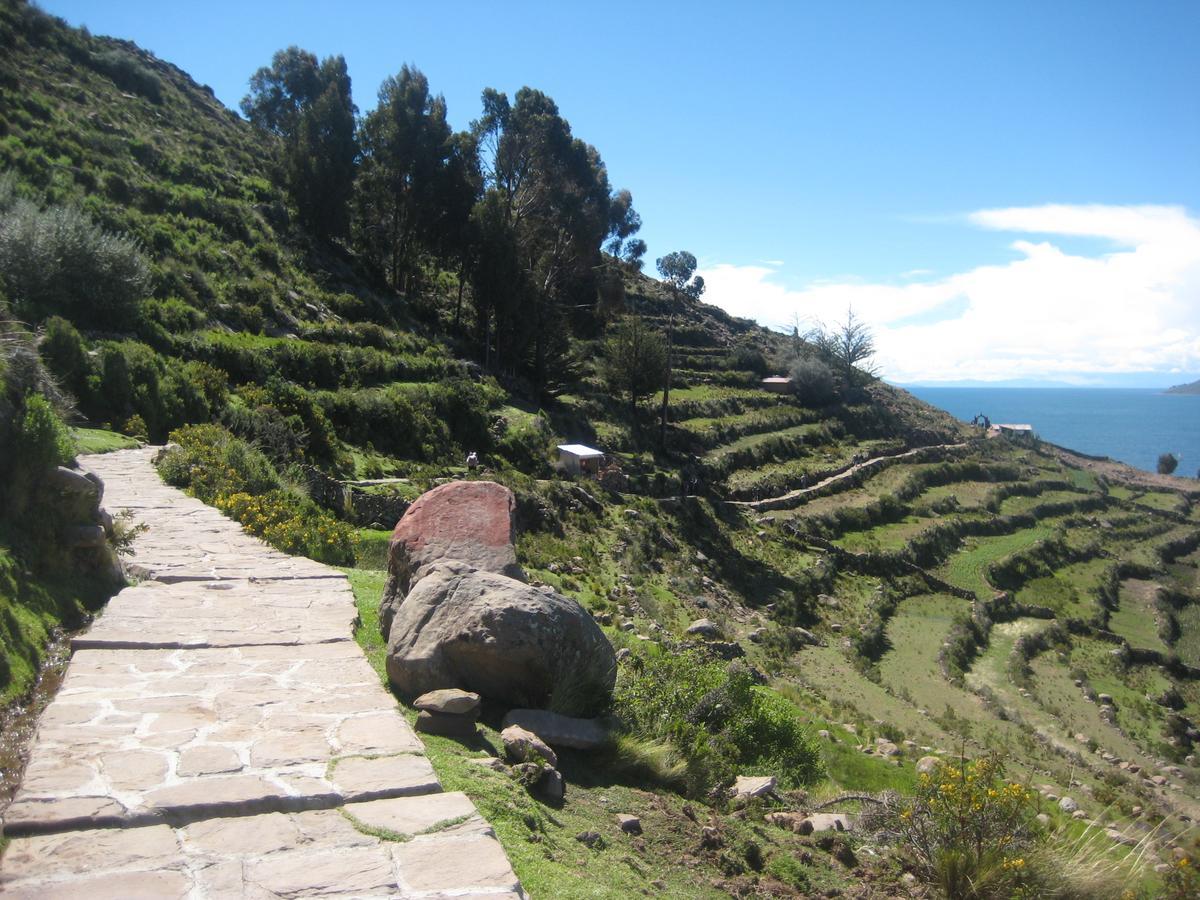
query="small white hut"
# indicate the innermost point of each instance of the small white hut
(579, 459)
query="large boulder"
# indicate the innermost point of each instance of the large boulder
(467, 521)
(489, 633)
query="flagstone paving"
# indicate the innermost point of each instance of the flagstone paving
(219, 733)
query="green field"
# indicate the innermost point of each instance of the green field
(968, 568)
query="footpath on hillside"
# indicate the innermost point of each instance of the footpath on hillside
(800, 495)
(220, 733)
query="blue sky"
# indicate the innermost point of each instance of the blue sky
(910, 159)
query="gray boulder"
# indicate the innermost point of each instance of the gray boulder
(494, 635)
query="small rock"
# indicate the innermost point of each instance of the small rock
(1120, 837)
(1081, 737)
(710, 838)
(704, 628)
(1160, 780)
(1136, 811)
(521, 745)
(830, 822)
(909, 880)
(629, 824)
(551, 788)
(1104, 699)
(449, 700)
(756, 636)
(927, 765)
(593, 840)
(886, 748)
(558, 730)
(835, 627)
(1068, 805)
(748, 786)
(628, 626)
(1042, 819)
(825, 735)
(623, 654)
(1079, 814)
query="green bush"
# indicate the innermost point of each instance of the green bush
(293, 524)
(719, 720)
(59, 261)
(210, 463)
(65, 355)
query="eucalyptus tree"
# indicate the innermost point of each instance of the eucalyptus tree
(417, 182)
(308, 106)
(678, 272)
(546, 204)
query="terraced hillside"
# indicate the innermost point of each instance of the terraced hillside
(881, 574)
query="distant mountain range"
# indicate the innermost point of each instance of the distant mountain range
(1191, 388)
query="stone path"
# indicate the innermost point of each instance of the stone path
(220, 734)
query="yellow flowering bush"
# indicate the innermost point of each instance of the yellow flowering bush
(292, 525)
(968, 829)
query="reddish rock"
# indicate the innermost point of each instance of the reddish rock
(466, 521)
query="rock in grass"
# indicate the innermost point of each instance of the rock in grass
(749, 786)
(522, 745)
(629, 824)
(560, 731)
(705, 628)
(498, 637)
(927, 765)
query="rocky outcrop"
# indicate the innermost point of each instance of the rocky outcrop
(72, 497)
(469, 522)
(489, 633)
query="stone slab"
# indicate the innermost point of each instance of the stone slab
(440, 848)
(227, 613)
(153, 733)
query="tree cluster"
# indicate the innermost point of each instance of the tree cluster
(517, 205)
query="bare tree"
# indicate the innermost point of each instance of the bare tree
(850, 345)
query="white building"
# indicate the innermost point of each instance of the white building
(579, 459)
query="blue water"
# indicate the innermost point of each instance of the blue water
(1132, 425)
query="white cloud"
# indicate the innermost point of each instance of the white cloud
(1133, 307)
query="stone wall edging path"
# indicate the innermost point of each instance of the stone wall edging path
(219, 733)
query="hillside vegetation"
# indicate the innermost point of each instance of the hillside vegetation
(326, 340)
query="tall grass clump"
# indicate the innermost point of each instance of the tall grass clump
(717, 719)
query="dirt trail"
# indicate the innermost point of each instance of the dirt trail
(795, 498)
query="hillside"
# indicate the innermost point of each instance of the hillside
(899, 584)
(1191, 388)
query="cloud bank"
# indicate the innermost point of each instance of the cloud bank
(1132, 307)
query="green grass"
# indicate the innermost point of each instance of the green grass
(1164, 500)
(1135, 619)
(97, 440)
(1069, 591)
(968, 567)
(886, 538)
(1188, 645)
(372, 551)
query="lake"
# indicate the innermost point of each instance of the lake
(1132, 425)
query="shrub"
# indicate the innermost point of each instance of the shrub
(1167, 463)
(210, 462)
(59, 261)
(968, 831)
(65, 355)
(292, 524)
(813, 381)
(717, 718)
